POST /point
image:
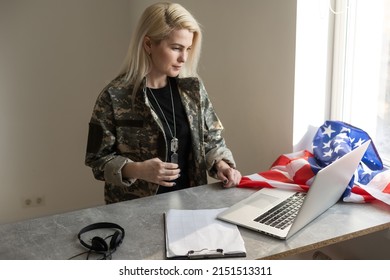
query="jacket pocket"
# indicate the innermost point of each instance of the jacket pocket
(128, 135)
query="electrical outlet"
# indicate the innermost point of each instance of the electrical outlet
(35, 201)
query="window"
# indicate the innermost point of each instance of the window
(361, 80)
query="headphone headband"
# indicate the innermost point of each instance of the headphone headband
(117, 237)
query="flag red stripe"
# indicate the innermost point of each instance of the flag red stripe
(281, 160)
(304, 174)
(358, 190)
(246, 182)
(386, 189)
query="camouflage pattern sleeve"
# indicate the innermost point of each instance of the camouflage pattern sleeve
(215, 146)
(101, 154)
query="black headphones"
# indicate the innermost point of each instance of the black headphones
(98, 244)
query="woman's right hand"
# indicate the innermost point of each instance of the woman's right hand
(153, 170)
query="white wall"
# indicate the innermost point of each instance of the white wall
(55, 56)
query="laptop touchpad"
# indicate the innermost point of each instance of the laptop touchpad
(262, 200)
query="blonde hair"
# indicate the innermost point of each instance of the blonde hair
(157, 22)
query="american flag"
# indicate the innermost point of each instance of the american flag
(296, 171)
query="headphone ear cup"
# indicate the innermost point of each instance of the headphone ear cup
(116, 240)
(98, 244)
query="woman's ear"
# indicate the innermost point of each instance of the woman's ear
(147, 44)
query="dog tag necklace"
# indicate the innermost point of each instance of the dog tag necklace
(174, 141)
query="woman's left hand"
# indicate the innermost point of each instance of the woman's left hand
(229, 176)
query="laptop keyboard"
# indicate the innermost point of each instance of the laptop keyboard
(283, 214)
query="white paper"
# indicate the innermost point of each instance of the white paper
(201, 232)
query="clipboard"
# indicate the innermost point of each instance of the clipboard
(198, 234)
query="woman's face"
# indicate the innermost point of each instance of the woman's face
(170, 54)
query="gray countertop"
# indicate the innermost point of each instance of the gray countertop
(55, 237)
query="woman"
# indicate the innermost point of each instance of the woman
(153, 128)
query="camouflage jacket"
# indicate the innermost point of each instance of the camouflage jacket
(123, 130)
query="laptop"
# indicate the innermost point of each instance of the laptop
(261, 211)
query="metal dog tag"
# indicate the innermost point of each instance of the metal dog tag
(175, 158)
(174, 145)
